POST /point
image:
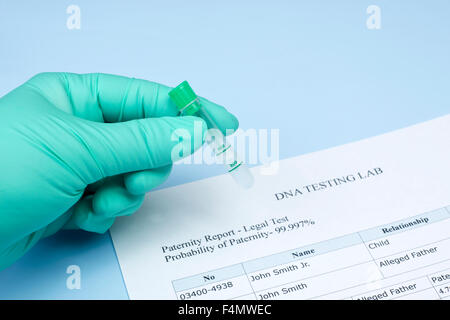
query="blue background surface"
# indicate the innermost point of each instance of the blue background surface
(309, 68)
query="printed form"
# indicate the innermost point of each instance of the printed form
(368, 220)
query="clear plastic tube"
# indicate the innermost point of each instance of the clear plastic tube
(221, 148)
(189, 104)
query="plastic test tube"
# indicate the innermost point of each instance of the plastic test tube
(188, 103)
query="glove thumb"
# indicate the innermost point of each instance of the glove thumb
(117, 148)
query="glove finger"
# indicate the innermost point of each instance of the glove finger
(121, 99)
(227, 122)
(93, 187)
(83, 217)
(141, 182)
(112, 149)
(113, 199)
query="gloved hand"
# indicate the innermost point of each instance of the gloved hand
(79, 150)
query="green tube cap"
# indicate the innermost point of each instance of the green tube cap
(185, 99)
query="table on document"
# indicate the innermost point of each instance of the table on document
(408, 259)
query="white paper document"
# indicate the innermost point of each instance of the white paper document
(368, 220)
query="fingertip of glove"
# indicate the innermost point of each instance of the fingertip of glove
(109, 202)
(139, 183)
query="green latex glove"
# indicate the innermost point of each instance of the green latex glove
(79, 150)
